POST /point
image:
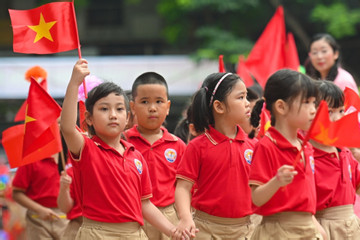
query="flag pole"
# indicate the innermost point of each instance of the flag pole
(78, 42)
(63, 160)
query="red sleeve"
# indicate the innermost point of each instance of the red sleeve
(22, 177)
(356, 173)
(189, 165)
(146, 188)
(262, 168)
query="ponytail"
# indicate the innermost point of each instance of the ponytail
(255, 116)
(202, 114)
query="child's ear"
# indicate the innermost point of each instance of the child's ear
(168, 107)
(88, 118)
(280, 106)
(132, 107)
(218, 107)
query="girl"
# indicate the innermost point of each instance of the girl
(112, 174)
(336, 175)
(218, 162)
(282, 190)
(324, 64)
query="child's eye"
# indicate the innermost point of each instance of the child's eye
(103, 109)
(144, 102)
(159, 101)
(120, 109)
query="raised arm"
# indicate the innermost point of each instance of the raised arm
(73, 138)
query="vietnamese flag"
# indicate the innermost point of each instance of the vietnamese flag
(50, 28)
(344, 132)
(268, 54)
(265, 121)
(42, 112)
(352, 100)
(20, 115)
(221, 64)
(12, 141)
(291, 54)
(244, 72)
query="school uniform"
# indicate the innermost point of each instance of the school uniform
(288, 214)
(40, 182)
(220, 168)
(162, 157)
(112, 187)
(336, 182)
(75, 213)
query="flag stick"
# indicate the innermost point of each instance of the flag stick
(63, 160)
(78, 42)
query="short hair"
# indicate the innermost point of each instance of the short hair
(148, 78)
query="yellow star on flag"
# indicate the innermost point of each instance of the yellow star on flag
(28, 118)
(43, 29)
(323, 136)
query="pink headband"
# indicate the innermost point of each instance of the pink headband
(216, 87)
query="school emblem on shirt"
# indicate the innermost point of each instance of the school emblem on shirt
(170, 155)
(248, 155)
(138, 165)
(350, 174)
(312, 164)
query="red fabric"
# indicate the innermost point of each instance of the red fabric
(268, 53)
(162, 157)
(244, 72)
(58, 26)
(112, 185)
(352, 99)
(220, 167)
(82, 110)
(335, 178)
(75, 211)
(221, 64)
(291, 54)
(42, 112)
(40, 181)
(13, 138)
(272, 152)
(265, 122)
(335, 133)
(20, 115)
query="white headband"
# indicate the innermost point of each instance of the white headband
(216, 87)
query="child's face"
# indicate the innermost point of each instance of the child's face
(109, 116)
(336, 113)
(322, 56)
(302, 112)
(237, 106)
(150, 106)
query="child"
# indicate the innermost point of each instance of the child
(113, 176)
(69, 202)
(336, 175)
(161, 150)
(35, 187)
(285, 195)
(218, 162)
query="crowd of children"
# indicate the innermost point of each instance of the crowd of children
(129, 178)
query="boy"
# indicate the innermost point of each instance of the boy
(161, 150)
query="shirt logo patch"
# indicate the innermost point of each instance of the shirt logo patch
(350, 173)
(312, 164)
(248, 155)
(170, 155)
(138, 165)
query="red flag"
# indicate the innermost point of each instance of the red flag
(265, 121)
(243, 72)
(268, 53)
(42, 112)
(221, 64)
(82, 110)
(352, 99)
(291, 54)
(50, 28)
(20, 115)
(344, 132)
(12, 141)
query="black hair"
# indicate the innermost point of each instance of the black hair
(330, 93)
(310, 69)
(149, 78)
(252, 95)
(182, 128)
(201, 105)
(286, 85)
(101, 91)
